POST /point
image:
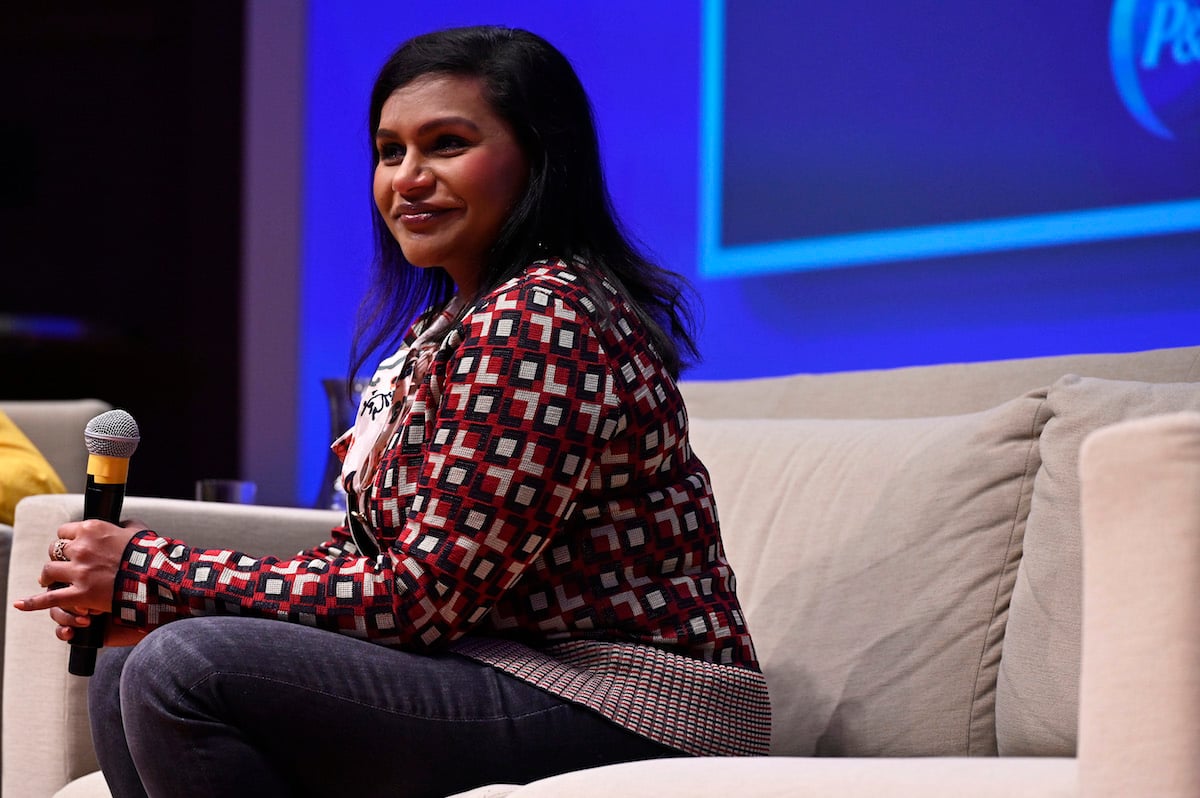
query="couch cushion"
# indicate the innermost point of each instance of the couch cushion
(875, 559)
(89, 786)
(1037, 700)
(795, 777)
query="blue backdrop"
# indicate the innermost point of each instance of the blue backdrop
(851, 185)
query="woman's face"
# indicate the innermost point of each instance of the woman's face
(449, 172)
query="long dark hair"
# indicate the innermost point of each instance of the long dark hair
(565, 212)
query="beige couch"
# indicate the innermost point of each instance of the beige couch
(947, 597)
(55, 427)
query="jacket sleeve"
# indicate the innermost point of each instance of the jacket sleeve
(528, 405)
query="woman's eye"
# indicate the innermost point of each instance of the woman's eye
(391, 153)
(449, 143)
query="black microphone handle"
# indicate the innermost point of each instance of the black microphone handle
(102, 501)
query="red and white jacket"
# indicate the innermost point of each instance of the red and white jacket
(540, 510)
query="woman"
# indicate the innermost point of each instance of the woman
(531, 578)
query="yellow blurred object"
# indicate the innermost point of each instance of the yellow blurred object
(23, 470)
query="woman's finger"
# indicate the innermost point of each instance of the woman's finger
(64, 616)
(54, 573)
(69, 531)
(64, 596)
(58, 550)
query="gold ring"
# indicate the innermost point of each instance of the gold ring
(59, 553)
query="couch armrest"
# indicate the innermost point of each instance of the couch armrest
(1140, 671)
(46, 741)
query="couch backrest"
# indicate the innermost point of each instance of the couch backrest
(895, 532)
(917, 391)
(56, 429)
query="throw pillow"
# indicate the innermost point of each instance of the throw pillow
(1037, 700)
(23, 470)
(875, 559)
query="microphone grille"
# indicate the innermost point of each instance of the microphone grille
(112, 434)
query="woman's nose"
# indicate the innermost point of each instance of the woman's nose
(412, 174)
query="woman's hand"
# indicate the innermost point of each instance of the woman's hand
(69, 620)
(83, 563)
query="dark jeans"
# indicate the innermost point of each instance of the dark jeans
(241, 706)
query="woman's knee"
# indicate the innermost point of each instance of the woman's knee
(167, 651)
(163, 673)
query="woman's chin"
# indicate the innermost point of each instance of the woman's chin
(421, 261)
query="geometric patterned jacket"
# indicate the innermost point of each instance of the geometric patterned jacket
(540, 510)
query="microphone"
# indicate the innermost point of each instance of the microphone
(111, 439)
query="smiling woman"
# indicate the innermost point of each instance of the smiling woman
(530, 578)
(449, 170)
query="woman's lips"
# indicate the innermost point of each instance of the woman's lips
(421, 218)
